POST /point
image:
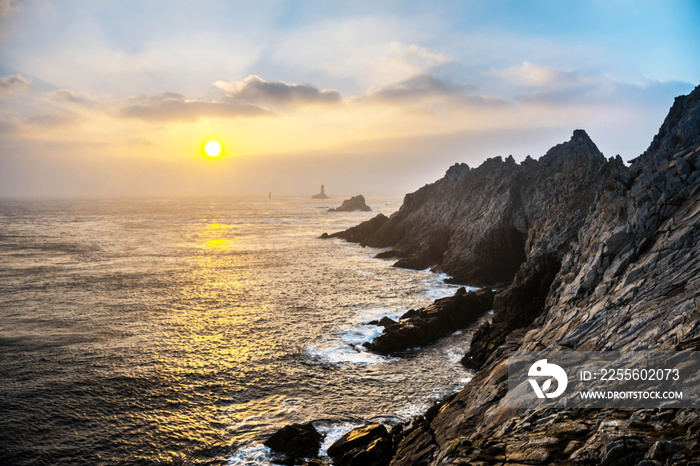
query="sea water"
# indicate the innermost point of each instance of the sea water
(187, 330)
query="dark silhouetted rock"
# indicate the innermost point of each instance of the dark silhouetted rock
(352, 204)
(369, 445)
(480, 224)
(321, 195)
(423, 326)
(361, 231)
(296, 441)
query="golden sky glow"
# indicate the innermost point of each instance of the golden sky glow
(94, 102)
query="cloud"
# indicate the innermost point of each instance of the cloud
(7, 7)
(543, 85)
(531, 75)
(417, 87)
(402, 61)
(13, 83)
(8, 125)
(353, 54)
(172, 106)
(432, 93)
(53, 119)
(255, 90)
(71, 97)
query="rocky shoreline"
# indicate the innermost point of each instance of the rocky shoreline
(596, 255)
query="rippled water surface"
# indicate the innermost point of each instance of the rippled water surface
(161, 331)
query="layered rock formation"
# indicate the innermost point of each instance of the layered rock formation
(601, 257)
(352, 204)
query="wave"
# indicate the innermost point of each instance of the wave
(345, 346)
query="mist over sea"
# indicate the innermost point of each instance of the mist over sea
(186, 330)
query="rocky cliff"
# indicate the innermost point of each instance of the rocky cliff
(599, 256)
(479, 225)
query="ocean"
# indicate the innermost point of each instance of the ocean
(187, 330)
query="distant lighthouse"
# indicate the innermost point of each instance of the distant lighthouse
(321, 195)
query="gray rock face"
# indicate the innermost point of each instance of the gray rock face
(617, 270)
(479, 225)
(354, 203)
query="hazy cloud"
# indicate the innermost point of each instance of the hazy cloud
(174, 106)
(7, 7)
(255, 90)
(602, 90)
(13, 83)
(7, 125)
(427, 89)
(64, 95)
(53, 119)
(403, 61)
(418, 87)
(531, 75)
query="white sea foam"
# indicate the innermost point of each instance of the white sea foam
(332, 433)
(454, 355)
(346, 345)
(251, 455)
(412, 411)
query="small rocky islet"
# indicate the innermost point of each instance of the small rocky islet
(584, 253)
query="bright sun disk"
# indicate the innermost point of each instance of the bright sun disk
(212, 148)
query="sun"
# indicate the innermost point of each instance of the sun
(213, 148)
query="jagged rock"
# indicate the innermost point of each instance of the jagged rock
(361, 231)
(368, 445)
(423, 326)
(352, 204)
(296, 441)
(383, 322)
(522, 209)
(321, 195)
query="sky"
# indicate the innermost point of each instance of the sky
(111, 98)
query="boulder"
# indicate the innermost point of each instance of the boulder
(296, 441)
(368, 445)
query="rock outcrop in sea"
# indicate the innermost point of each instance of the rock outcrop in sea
(295, 441)
(321, 195)
(418, 327)
(352, 204)
(590, 254)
